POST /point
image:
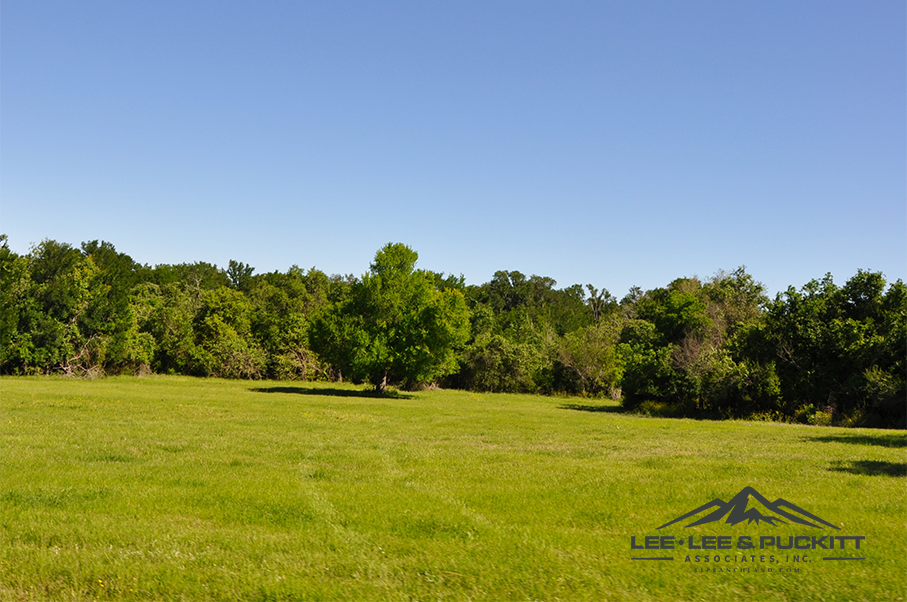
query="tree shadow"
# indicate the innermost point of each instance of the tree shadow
(882, 439)
(330, 392)
(610, 409)
(872, 468)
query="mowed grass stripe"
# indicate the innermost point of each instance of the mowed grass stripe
(194, 489)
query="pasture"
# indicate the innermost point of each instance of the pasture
(175, 488)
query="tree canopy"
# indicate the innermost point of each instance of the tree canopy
(719, 347)
(396, 325)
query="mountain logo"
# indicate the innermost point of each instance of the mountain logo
(745, 507)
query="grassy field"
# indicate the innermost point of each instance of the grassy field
(172, 488)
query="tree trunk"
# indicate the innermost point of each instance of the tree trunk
(381, 383)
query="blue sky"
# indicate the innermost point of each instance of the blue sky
(615, 143)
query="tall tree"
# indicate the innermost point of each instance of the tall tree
(396, 326)
(239, 275)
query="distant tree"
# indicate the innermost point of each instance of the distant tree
(239, 275)
(693, 346)
(590, 354)
(224, 342)
(118, 270)
(840, 350)
(18, 311)
(167, 313)
(112, 319)
(633, 296)
(600, 302)
(395, 326)
(647, 369)
(198, 275)
(283, 306)
(497, 364)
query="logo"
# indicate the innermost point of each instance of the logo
(739, 509)
(754, 552)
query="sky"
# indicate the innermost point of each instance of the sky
(611, 143)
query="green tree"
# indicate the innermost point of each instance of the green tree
(841, 350)
(112, 319)
(19, 311)
(497, 364)
(167, 314)
(223, 336)
(239, 275)
(71, 300)
(590, 354)
(282, 308)
(198, 275)
(396, 326)
(691, 345)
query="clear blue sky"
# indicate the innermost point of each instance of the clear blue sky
(615, 143)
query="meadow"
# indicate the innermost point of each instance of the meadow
(177, 488)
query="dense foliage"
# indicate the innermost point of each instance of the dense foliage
(395, 324)
(822, 354)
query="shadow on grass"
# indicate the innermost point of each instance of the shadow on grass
(328, 392)
(872, 468)
(655, 410)
(611, 409)
(882, 440)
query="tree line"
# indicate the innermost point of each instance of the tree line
(821, 354)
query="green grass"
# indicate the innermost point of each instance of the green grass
(172, 488)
